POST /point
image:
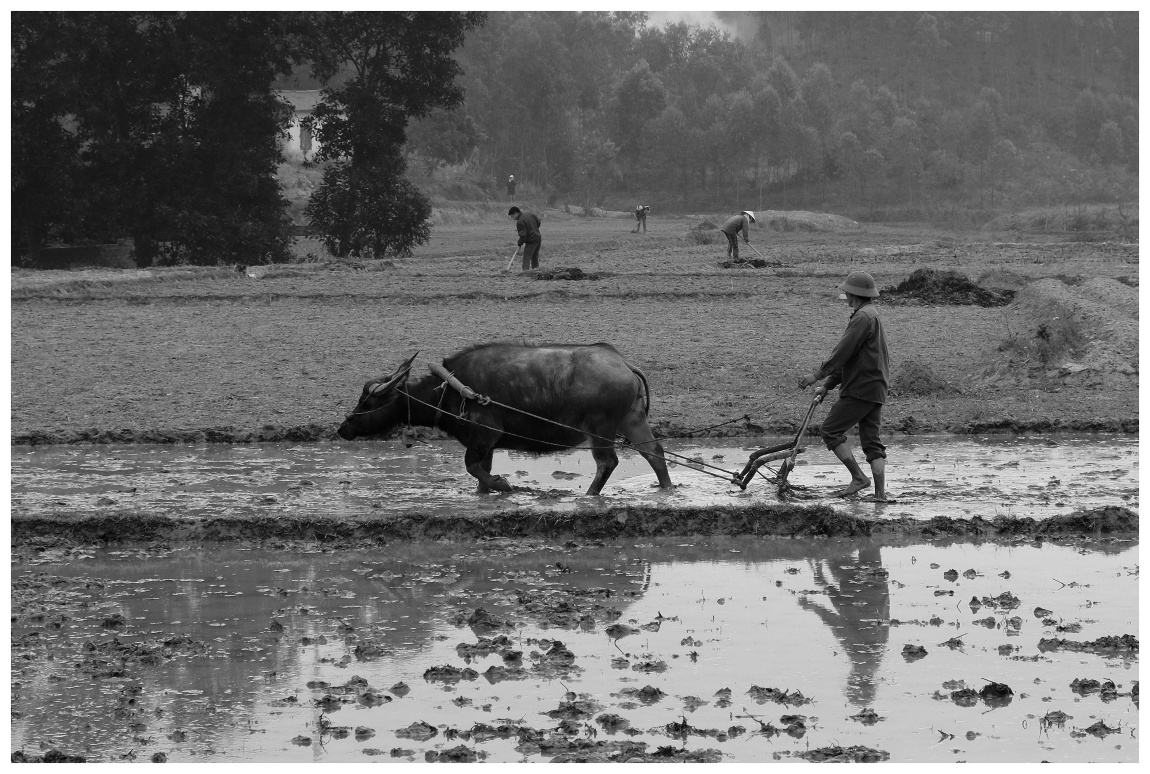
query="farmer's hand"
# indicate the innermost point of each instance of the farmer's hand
(807, 381)
(821, 392)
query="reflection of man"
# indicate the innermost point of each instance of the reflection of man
(859, 628)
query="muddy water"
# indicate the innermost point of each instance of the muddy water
(304, 656)
(929, 476)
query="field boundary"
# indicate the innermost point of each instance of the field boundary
(776, 520)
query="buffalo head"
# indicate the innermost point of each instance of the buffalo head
(378, 407)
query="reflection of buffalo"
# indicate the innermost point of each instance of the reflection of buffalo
(506, 396)
(394, 602)
(861, 629)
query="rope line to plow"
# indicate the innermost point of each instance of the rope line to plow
(728, 475)
(744, 417)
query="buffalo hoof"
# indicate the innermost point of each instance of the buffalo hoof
(497, 484)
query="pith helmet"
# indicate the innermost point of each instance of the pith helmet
(859, 283)
(750, 215)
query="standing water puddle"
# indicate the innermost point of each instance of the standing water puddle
(930, 476)
(745, 649)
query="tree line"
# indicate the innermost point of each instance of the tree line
(866, 108)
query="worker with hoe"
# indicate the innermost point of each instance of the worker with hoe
(741, 222)
(527, 224)
(859, 366)
(511, 186)
(641, 211)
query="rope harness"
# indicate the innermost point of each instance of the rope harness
(466, 393)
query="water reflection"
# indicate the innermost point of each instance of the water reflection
(856, 587)
(810, 614)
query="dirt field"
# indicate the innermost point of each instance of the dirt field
(217, 355)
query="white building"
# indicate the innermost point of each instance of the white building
(301, 144)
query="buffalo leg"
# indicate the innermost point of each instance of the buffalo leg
(638, 432)
(606, 460)
(478, 462)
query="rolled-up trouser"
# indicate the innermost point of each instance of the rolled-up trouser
(733, 245)
(531, 255)
(845, 414)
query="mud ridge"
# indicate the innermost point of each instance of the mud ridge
(779, 520)
(317, 431)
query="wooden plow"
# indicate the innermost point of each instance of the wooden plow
(784, 451)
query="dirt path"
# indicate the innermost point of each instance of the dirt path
(215, 355)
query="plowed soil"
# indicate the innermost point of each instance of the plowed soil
(217, 355)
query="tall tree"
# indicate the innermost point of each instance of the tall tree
(169, 126)
(402, 67)
(45, 145)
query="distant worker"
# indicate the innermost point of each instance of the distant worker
(741, 222)
(530, 240)
(858, 366)
(511, 186)
(641, 211)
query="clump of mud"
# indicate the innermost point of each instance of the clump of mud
(51, 756)
(565, 273)
(786, 698)
(750, 263)
(854, 754)
(1127, 644)
(945, 288)
(915, 378)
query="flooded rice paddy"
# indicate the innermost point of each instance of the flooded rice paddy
(929, 476)
(718, 648)
(731, 649)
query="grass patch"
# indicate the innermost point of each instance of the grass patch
(1082, 223)
(1058, 334)
(697, 236)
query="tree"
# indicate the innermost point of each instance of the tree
(1110, 143)
(401, 67)
(595, 167)
(444, 137)
(904, 152)
(45, 146)
(169, 127)
(981, 132)
(639, 97)
(1003, 161)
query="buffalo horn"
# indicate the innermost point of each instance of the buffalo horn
(396, 377)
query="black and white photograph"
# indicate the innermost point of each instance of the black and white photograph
(522, 386)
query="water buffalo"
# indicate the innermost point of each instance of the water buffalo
(589, 393)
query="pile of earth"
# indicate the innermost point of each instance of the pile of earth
(915, 378)
(565, 273)
(801, 220)
(750, 263)
(932, 286)
(793, 220)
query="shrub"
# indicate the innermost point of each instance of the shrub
(1058, 335)
(367, 216)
